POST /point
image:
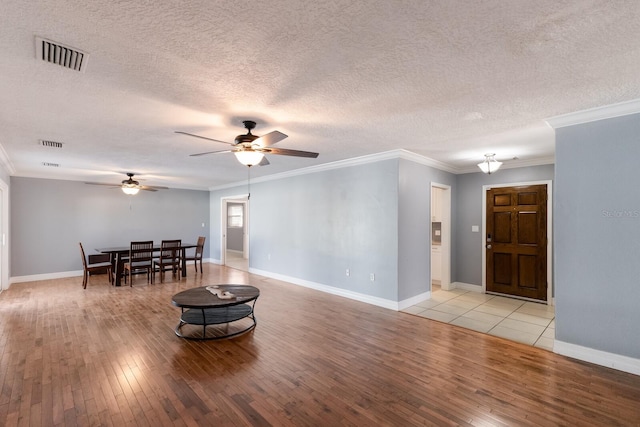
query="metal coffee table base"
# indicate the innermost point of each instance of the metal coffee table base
(216, 316)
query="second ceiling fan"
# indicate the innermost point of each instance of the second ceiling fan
(250, 149)
(130, 186)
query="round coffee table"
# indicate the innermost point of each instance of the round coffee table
(203, 307)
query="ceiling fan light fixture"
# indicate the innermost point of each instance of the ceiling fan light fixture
(249, 157)
(490, 164)
(130, 186)
(130, 190)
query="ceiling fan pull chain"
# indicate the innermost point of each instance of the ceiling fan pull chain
(248, 182)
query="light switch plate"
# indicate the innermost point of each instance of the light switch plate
(475, 228)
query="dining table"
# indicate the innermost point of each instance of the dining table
(118, 255)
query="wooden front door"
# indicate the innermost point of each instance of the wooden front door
(516, 241)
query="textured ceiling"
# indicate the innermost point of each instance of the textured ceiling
(447, 80)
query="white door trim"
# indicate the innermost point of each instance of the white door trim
(240, 198)
(445, 242)
(549, 185)
(4, 237)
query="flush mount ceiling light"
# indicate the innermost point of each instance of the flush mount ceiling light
(490, 164)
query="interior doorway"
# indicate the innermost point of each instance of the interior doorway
(440, 237)
(234, 245)
(516, 246)
(4, 230)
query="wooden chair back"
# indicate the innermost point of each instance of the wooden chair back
(141, 251)
(197, 256)
(200, 247)
(170, 256)
(98, 267)
(84, 258)
(140, 258)
(170, 249)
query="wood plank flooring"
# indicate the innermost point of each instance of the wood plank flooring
(108, 356)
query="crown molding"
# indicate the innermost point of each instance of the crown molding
(386, 155)
(6, 163)
(355, 161)
(427, 161)
(361, 160)
(595, 114)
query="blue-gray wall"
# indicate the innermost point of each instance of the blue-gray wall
(597, 235)
(368, 218)
(50, 217)
(314, 227)
(414, 226)
(469, 201)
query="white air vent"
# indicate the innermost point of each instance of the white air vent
(51, 165)
(52, 144)
(57, 53)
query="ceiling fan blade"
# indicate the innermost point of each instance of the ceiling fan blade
(270, 138)
(102, 183)
(264, 162)
(288, 152)
(152, 187)
(210, 152)
(203, 137)
(141, 187)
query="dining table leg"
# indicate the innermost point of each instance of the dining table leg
(113, 260)
(119, 268)
(184, 263)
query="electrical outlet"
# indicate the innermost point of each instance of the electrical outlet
(348, 272)
(372, 277)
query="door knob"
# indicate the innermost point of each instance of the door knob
(488, 246)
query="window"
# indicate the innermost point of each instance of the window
(235, 216)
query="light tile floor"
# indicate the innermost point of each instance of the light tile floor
(522, 321)
(235, 260)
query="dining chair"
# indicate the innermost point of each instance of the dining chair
(197, 256)
(140, 259)
(170, 251)
(97, 267)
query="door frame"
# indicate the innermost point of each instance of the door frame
(240, 198)
(549, 184)
(445, 240)
(4, 236)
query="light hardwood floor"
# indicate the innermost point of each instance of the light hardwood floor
(109, 356)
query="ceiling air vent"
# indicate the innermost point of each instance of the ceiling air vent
(51, 165)
(57, 53)
(52, 144)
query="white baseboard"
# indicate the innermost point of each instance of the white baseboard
(46, 276)
(65, 274)
(598, 357)
(414, 300)
(380, 302)
(466, 287)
